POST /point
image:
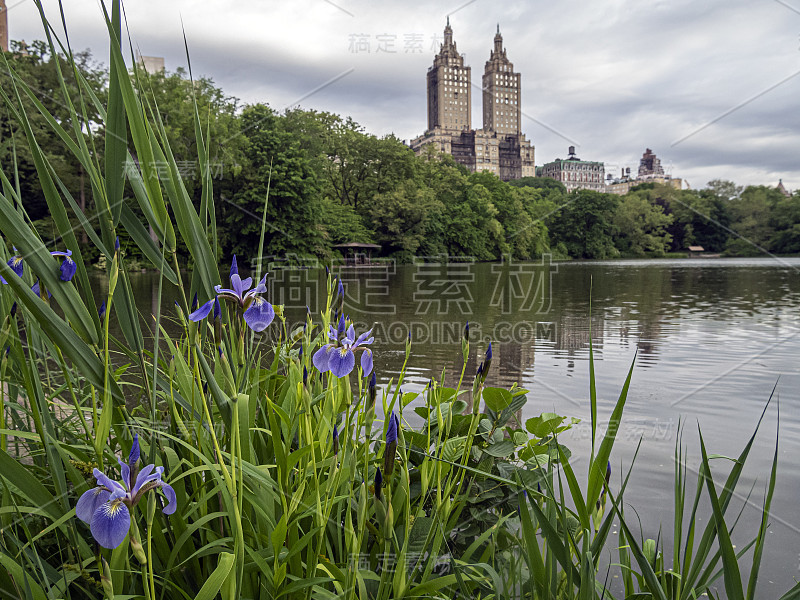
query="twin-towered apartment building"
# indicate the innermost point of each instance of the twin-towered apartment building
(500, 147)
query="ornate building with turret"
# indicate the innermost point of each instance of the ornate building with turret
(500, 147)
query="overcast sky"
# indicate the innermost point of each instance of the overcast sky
(712, 86)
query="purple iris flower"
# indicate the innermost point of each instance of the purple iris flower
(16, 265)
(68, 267)
(107, 508)
(339, 357)
(257, 312)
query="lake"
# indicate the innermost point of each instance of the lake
(714, 336)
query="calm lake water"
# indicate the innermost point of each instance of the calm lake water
(713, 337)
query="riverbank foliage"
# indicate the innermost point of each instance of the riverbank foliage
(331, 182)
(239, 458)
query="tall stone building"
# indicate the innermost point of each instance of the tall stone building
(3, 26)
(500, 147)
(449, 107)
(501, 92)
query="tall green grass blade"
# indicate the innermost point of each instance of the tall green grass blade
(217, 579)
(762, 531)
(649, 576)
(116, 151)
(597, 468)
(693, 573)
(733, 581)
(58, 331)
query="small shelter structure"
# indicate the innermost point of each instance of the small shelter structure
(357, 254)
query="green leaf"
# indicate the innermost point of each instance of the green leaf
(501, 449)
(544, 425)
(215, 581)
(497, 399)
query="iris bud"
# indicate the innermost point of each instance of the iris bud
(335, 441)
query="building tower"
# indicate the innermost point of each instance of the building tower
(449, 88)
(650, 165)
(501, 92)
(3, 26)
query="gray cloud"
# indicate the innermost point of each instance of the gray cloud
(614, 76)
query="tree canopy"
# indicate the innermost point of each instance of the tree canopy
(323, 180)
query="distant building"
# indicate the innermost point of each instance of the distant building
(650, 165)
(500, 147)
(3, 26)
(650, 171)
(151, 64)
(574, 173)
(782, 189)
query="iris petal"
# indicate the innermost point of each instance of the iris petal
(143, 477)
(110, 523)
(16, 265)
(126, 473)
(202, 312)
(89, 502)
(342, 361)
(261, 288)
(172, 502)
(321, 358)
(109, 483)
(366, 362)
(68, 268)
(362, 339)
(133, 457)
(236, 284)
(259, 315)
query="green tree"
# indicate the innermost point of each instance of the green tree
(585, 225)
(340, 223)
(724, 190)
(785, 220)
(752, 219)
(38, 68)
(362, 166)
(173, 95)
(699, 218)
(401, 219)
(641, 225)
(275, 163)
